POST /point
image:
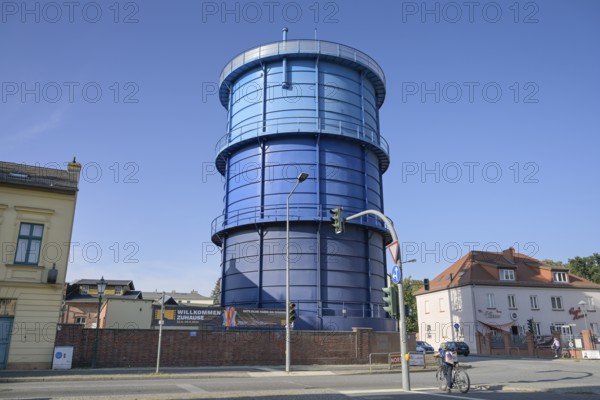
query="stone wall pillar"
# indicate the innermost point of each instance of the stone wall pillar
(530, 344)
(588, 343)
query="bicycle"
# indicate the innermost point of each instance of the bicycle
(565, 353)
(460, 378)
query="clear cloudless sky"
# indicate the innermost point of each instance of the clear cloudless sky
(491, 115)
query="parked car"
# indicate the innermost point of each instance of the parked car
(425, 347)
(461, 348)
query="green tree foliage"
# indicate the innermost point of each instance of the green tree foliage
(554, 263)
(216, 293)
(410, 287)
(585, 267)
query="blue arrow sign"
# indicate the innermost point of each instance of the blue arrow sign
(396, 274)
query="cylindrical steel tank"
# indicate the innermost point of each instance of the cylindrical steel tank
(303, 106)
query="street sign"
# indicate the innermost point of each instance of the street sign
(393, 248)
(456, 327)
(396, 274)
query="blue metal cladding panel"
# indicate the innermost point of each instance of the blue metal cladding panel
(346, 173)
(317, 124)
(346, 100)
(347, 276)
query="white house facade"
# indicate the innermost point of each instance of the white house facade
(505, 292)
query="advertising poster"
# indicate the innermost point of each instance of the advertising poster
(219, 317)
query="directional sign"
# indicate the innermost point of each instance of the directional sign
(396, 274)
(393, 248)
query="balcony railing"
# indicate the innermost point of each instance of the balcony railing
(303, 46)
(303, 125)
(301, 212)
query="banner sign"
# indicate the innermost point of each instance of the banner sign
(417, 359)
(394, 360)
(226, 317)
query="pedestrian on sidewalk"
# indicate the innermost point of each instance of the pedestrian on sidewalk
(556, 347)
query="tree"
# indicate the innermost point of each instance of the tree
(216, 293)
(586, 267)
(410, 287)
(554, 263)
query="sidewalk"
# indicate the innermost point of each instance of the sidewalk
(195, 372)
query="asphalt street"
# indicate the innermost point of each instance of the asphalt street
(491, 378)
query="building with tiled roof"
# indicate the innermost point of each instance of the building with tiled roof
(192, 298)
(81, 300)
(37, 211)
(499, 292)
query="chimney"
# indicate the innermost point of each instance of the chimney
(509, 254)
(74, 169)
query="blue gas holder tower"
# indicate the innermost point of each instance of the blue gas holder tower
(303, 107)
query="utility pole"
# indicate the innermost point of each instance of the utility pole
(402, 311)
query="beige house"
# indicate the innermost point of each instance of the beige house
(37, 208)
(82, 301)
(185, 299)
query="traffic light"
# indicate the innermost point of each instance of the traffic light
(390, 298)
(530, 327)
(337, 221)
(426, 283)
(292, 312)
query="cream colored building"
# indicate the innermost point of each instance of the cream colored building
(127, 314)
(499, 292)
(37, 208)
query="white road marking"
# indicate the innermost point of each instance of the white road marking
(191, 388)
(413, 391)
(292, 373)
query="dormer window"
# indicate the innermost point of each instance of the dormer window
(560, 277)
(507, 275)
(83, 289)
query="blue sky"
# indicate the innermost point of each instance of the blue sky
(491, 116)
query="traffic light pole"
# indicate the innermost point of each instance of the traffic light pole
(402, 311)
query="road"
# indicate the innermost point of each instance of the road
(491, 379)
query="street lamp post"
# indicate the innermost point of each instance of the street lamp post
(582, 304)
(101, 289)
(301, 178)
(402, 321)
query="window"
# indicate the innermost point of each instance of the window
(536, 328)
(118, 290)
(563, 328)
(84, 289)
(29, 244)
(560, 277)
(590, 304)
(491, 302)
(80, 320)
(512, 303)
(534, 302)
(442, 305)
(426, 306)
(507, 275)
(556, 302)
(594, 328)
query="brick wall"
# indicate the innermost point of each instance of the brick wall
(137, 348)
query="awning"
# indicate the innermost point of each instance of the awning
(501, 327)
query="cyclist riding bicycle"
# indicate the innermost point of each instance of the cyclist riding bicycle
(447, 359)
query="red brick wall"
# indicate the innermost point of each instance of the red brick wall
(137, 348)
